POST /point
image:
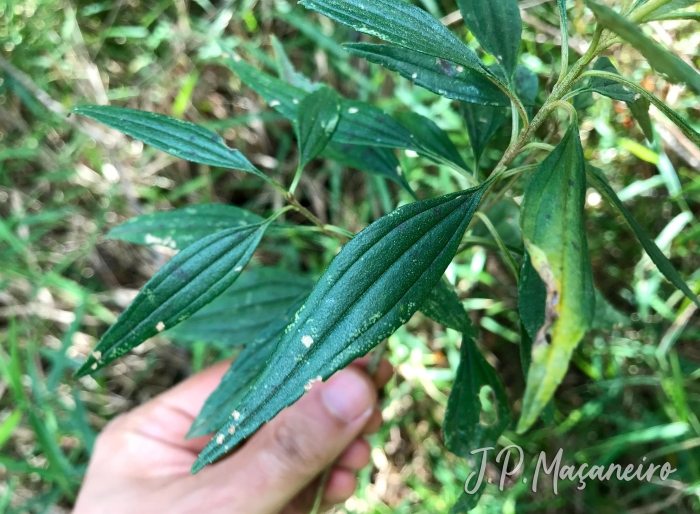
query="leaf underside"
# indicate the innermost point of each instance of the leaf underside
(176, 137)
(374, 285)
(553, 229)
(189, 281)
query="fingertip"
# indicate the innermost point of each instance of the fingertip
(341, 485)
(356, 456)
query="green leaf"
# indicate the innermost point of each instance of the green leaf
(444, 306)
(670, 113)
(659, 58)
(482, 121)
(532, 298)
(610, 88)
(256, 299)
(367, 157)
(497, 26)
(670, 7)
(676, 15)
(606, 316)
(176, 137)
(505, 216)
(440, 76)
(182, 227)
(477, 409)
(317, 119)
(189, 281)
(434, 141)
(640, 111)
(236, 382)
(600, 182)
(401, 23)
(553, 230)
(527, 86)
(378, 161)
(286, 71)
(354, 306)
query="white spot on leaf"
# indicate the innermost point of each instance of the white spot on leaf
(311, 383)
(160, 326)
(275, 103)
(220, 439)
(236, 415)
(353, 110)
(237, 268)
(307, 341)
(231, 429)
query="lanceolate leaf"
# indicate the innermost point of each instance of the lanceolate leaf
(374, 285)
(285, 99)
(378, 161)
(670, 113)
(176, 137)
(317, 119)
(188, 282)
(182, 227)
(600, 182)
(610, 88)
(640, 111)
(440, 76)
(497, 26)
(434, 140)
(256, 299)
(401, 23)
(286, 70)
(670, 7)
(477, 413)
(223, 401)
(477, 409)
(443, 305)
(660, 59)
(553, 229)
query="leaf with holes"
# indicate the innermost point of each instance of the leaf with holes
(477, 409)
(440, 76)
(182, 227)
(600, 182)
(176, 137)
(374, 285)
(317, 119)
(555, 239)
(659, 58)
(401, 23)
(224, 400)
(497, 25)
(189, 281)
(256, 299)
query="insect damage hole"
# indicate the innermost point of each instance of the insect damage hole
(489, 412)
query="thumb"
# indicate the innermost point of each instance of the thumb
(298, 444)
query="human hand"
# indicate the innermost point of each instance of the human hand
(141, 462)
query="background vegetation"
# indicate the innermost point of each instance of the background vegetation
(632, 390)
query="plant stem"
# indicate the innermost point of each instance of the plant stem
(321, 489)
(297, 178)
(645, 10)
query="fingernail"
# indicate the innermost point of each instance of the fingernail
(347, 396)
